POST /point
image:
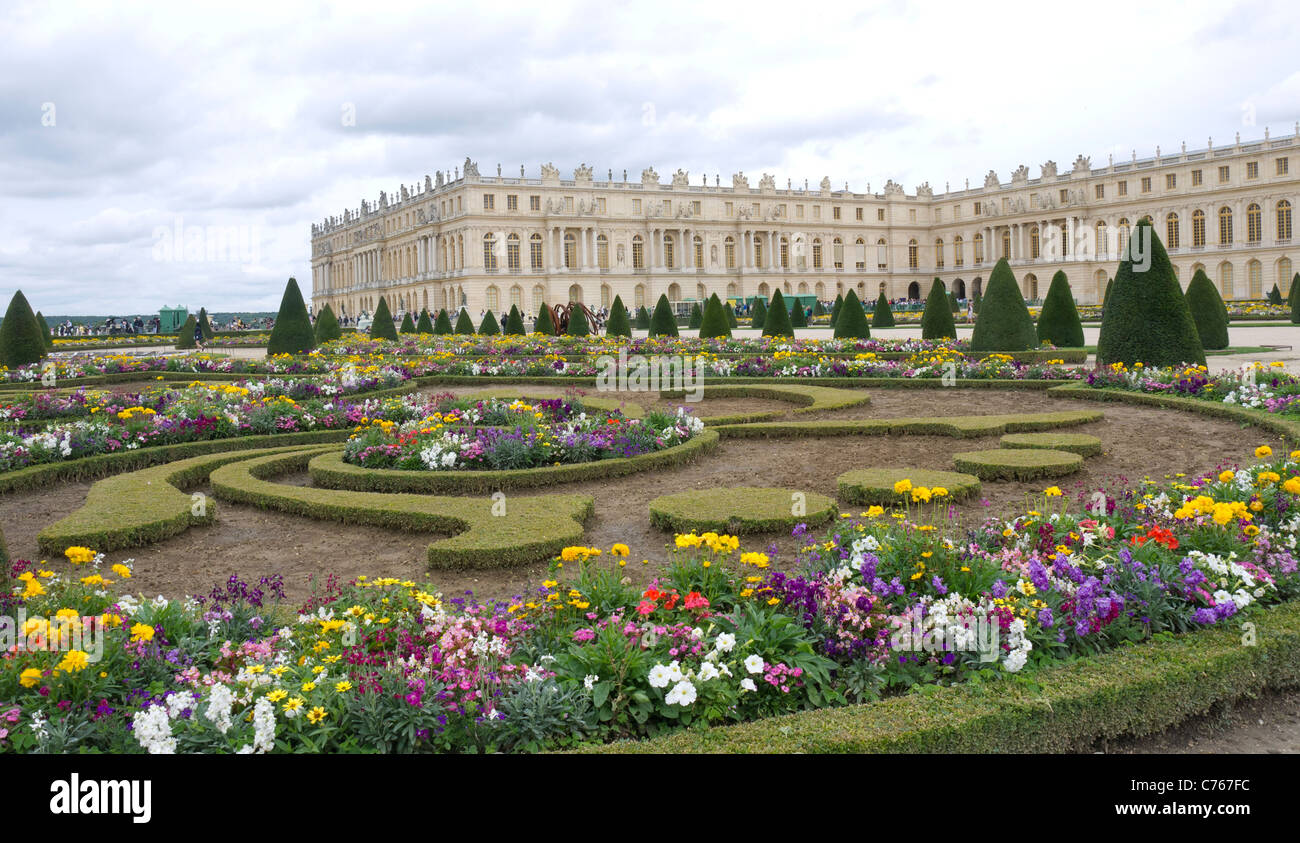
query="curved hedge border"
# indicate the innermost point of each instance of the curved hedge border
(329, 471)
(102, 465)
(1076, 443)
(876, 485)
(1017, 463)
(739, 510)
(812, 399)
(958, 426)
(1271, 422)
(532, 529)
(142, 507)
(1135, 691)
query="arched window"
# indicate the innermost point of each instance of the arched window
(882, 254)
(517, 297)
(764, 290)
(861, 263)
(979, 247)
(575, 293)
(570, 251)
(913, 255)
(1031, 286)
(1225, 280)
(602, 251)
(938, 253)
(674, 292)
(1171, 230)
(803, 288)
(1225, 226)
(698, 243)
(1284, 276)
(1036, 242)
(1006, 243)
(817, 253)
(1284, 220)
(729, 251)
(700, 293)
(785, 253)
(535, 251)
(1123, 237)
(668, 252)
(489, 251)
(731, 290)
(638, 253)
(1198, 229)
(821, 290)
(512, 251)
(1254, 224)
(958, 259)
(539, 295)
(492, 298)
(1255, 279)
(638, 296)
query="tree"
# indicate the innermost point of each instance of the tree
(1105, 299)
(1058, 322)
(514, 322)
(714, 321)
(185, 339)
(327, 326)
(778, 318)
(618, 325)
(697, 317)
(1004, 323)
(464, 325)
(835, 308)
(489, 326)
(21, 341)
(292, 332)
(206, 324)
(1295, 308)
(578, 326)
(1147, 319)
(443, 324)
(937, 321)
(642, 319)
(1275, 295)
(1291, 293)
(952, 303)
(44, 327)
(798, 316)
(852, 321)
(408, 324)
(545, 323)
(975, 302)
(732, 321)
(425, 325)
(663, 323)
(818, 309)
(1208, 312)
(760, 314)
(883, 317)
(381, 325)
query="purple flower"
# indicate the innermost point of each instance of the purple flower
(1045, 618)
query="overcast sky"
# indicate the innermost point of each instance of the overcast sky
(120, 120)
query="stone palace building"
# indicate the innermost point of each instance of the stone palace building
(487, 242)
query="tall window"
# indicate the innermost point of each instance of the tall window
(817, 253)
(668, 251)
(758, 252)
(1103, 242)
(1123, 237)
(489, 251)
(570, 251)
(517, 297)
(979, 248)
(1225, 280)
(538, 295)
(1254, 224)
(1284, 220)
(1255, 279)
(1225, 226)
(1006, 243)
(860, 253)
(489, 201)
(958, 259)
(913, 256)
(785, 253)
(535, 251)
(493, 298)
(638, 253)
(602, 251)
(698, 243)
(882, 254)
(1171, 230)
(729, 252)
(1035, 244)
(938, 253)
(512, 251)
(1284, 276)
(1198, 229)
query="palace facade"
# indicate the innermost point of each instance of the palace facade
(487, 242)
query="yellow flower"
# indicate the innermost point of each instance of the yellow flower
(875, 511)
(902, 487)
(122, 571)
(293, 704)
(619, 550)
(343, 687)
(1052, 491)
(1226, 477)
(316, 715)
(29, 678)
(1263, 451)
(79, 555)
(277, 695)
(308, 687)
(141, 632)
(74, 660)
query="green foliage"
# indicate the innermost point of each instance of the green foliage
(758, 314)
(577, 326)
(937, 321)
(1295, 287)
(732, 321)
(206, 324)
(1017, 463)
(44, 327)
(882, 317)
(327, 325)
(618, 324)
(714, 321)
(293, 332)
(1208, 311)
(663, 323)
(408, 324)
(778, 318)
(696, 318)
(514, 322)
(835, 308)
(952, 302)
(381, 325)
(851, 319)
(818, 309)
(464, 325)
(1004, 323)
(1058, 322)
(876, 485)
(489, 326)
(1147, 319)
(545, 322)
(443, 323)
(1076, 443)
(798, 317)
(1105, 299)
(1275, 295)
(736, 511)
(1295, 300)
(425, 325)
(185, 337)
(976, 301)
(642, 319)
(21, 340)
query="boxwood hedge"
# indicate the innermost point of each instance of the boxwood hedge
(741, 510)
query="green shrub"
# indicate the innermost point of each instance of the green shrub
(292, 332)
(1208, 311)
(714, 323)
(778, 318)
(937, 321)
(1004, 323)
(327, 325)
(642, 319)
(425, 325)
(1295, 286)
(1275, 295)
(408, 324)
(464, 325)
(1105, 299)
(818, 310)
(514, 322)
(952, 302)
(1058, 322)
(1076, 443)
(737, 511)
(44, 327)
(663, 323)
(798, 318)
(976, 300)
(577, 326)
(851, 321)
(1147, 319)
(489, 326)
(759, 315)
(1295, 301)
(618, 324)
(545, 323)
(882, 316)
(697, 317)
(185, 338)
(381, 325)
(732, 321)
(1017, 463)
(206, 324)
(835, 308)
(21, 341)
(443, 323)
(876, 485)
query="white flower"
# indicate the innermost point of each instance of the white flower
(219, 703)
(708, 671)
(153, 730)
(660, 676)
(675, 671)
(748, 684)
(724, 642)
(683, 694)
(590, 681)
(754, 664)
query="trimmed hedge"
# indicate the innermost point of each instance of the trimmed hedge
(1132, 691)
(545, 322)
(812, 399)
(464, 325)
(882, 316)
(408, 324)
(1076, 443)
(663, 323)
(43, 325)
(876, 485)
(381, 325)
(1058, 322)
(1272, 422)
(529, 529)
(21, 341)
(851, 319)
(489, 326)
(1208, 311)
(292, 332)
(329, 471)
(425, 323)
(696, 320)
(642, 319)
(936, 321)
(714, 323)
(961, 427)
(738, 511)
(577, 326)
(618, 324)
(1004, 323)
(1017, 463)
(777, 323)
(327, 326)
(798, 318)
(759, 317)
(442, 325)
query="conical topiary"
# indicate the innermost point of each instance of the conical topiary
(206, 324)
(798, 317)
(835, 308)
(778, 318)
(292, 332)
(975, 302)
(381, 325)
(464, 325)
(760, 314)
(1147, 320)
(514, 322)
(489, 327)
(1105, 299)
(883, 317)
(1058, 322)
(732, 321)
(1004, 323)
(442, 325)
(936, 321)
(578, 325)
(663, 323)
(818, 308)
(327, 325)
(1291, 293)
(408, 324)
(44, 327)
(697, 317)
(425, 325)
(545, 323)
(852, 321)
(618, 324)
(21, 341)
(185, 338)
(953, 307)
(642, 319)
(1208, 312)
(1295, 308)
(714, 322)
(1275, 295)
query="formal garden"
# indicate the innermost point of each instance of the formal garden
(466, 538)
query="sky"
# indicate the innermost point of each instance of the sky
(131, 130)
